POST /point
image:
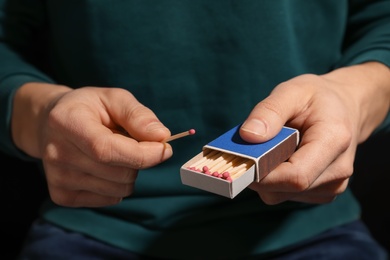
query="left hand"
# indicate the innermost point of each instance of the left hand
(334, 112)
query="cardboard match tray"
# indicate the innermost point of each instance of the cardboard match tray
(229, 152)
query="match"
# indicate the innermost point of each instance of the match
(180, 135)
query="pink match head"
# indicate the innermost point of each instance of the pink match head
(191, 131)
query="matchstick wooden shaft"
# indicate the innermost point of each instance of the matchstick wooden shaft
(180, 135)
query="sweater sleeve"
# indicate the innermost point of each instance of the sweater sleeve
(20, 30)
(368, 37)
(367, 33)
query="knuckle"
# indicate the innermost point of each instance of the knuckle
(138, 112)
(341, 188)
(128, 190)
(271, 105)
(51, 153)
(101, 150)
(346, 136)
(345, 170)
(270, 199)
(299, 183)
(62, 199)
(341, 136)
(129, 176)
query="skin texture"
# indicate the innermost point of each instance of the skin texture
(334, 113)
(82, 136)
(93, 140)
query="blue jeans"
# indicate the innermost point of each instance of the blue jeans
(350, 241)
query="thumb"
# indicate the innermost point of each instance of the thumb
(269, 116)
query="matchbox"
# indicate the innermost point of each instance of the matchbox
(228, 164)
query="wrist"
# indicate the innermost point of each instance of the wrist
(367, 85)
(31, 104)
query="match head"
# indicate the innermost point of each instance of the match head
(191, 131)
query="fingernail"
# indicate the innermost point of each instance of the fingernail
(254, 126)
(167, 153)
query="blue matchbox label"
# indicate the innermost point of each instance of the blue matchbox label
(231, 141)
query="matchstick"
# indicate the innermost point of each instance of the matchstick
(206, 159)
(220, 162)
(180, 135)
(232, 164)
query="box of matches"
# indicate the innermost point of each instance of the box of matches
(228, 164)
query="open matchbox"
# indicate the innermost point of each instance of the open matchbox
(246, 162)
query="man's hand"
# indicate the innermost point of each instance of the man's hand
(334, 113)
(92, 141)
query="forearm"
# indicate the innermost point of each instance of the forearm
(368, 86)
(30, 107)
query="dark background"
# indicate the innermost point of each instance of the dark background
(23, 189)
(371, 182)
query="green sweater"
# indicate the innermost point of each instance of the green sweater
(197, 64)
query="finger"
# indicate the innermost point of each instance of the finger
(320, 146)
(322, 194)
(104, 147)
(77, 161)
(81, 198)
(332, 182)
(139, 155)
(59, 179)
(268, 116)
(282, 185)
(123, 151)
(140, 122)
(93, 127)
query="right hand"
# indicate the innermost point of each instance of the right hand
(92, 141)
